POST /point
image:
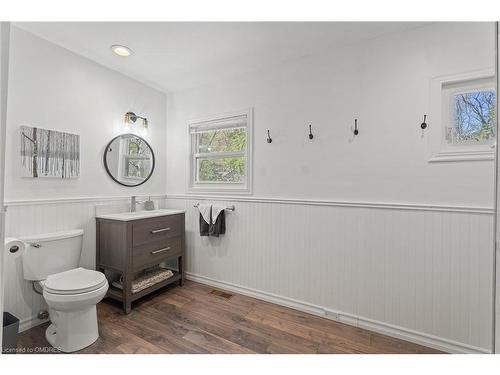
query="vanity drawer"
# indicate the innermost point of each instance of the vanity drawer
(156, 229)
(150, 254)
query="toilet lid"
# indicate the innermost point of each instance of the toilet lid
(78, 280)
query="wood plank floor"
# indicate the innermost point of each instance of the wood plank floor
(191, 319)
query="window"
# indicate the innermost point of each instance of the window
(133, 160)
(473, 117)
(220, 153)
(466, 115)
(137, 159)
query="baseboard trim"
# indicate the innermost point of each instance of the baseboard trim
(416, 337)
(331, 203)
(30, 322)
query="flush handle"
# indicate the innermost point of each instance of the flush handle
(36, 245)
(160, 230)
(160, 250)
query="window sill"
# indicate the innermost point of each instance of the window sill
(454, 156)
(204, 190)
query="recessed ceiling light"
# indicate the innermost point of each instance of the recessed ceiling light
(121, 50)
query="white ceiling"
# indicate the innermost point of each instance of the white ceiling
(179, 55)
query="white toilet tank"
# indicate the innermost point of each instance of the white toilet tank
(51, 253)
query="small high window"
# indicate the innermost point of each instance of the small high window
(220, 153)
(463, 117)
(474, 117)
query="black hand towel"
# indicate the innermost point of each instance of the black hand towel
(205, 219)
(219, 227)
(204, 227)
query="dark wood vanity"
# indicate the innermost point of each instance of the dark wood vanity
(128, 246)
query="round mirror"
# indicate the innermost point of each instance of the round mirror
(129, 160)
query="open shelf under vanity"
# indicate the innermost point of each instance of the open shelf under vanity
(117, 293)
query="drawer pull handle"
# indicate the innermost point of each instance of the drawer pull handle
(160, 230)
(160, 250)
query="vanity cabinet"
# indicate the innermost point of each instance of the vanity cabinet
(129, 246)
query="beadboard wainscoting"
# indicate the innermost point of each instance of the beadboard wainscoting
(422, 273)
(30, 217)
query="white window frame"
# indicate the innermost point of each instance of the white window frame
(443, 89)
(123, 160)
(208, 187)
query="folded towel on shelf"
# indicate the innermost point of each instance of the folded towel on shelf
(205, 218)
(218, 223)
(146, 279)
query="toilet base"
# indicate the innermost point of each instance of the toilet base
(71, 331)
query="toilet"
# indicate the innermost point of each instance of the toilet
(71, 292)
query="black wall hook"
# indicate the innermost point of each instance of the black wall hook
(269, 139)
(356, 131)
(311, 136)
(423, 125)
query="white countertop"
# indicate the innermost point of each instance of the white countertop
(137, 215)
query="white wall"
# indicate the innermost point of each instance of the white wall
(416, 268)
(4, 64)
(57, 89)
(497, 265)
(383, 83)
(53, 88)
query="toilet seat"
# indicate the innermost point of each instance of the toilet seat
(75, 281)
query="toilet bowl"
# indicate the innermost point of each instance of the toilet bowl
(71, 292)
(72, 297)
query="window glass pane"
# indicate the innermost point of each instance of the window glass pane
(137, 147)
(222, 170)
(137, 168)
(474, 114)
(222, 140)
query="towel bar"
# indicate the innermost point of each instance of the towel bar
(230, 208)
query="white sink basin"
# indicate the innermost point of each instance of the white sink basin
(127, 216)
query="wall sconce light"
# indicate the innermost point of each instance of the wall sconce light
(131, 118)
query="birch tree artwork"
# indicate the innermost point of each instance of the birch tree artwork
(49, 153)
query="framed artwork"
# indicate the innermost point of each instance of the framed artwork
(49, 153)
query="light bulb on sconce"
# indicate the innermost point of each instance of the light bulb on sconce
(131, 118)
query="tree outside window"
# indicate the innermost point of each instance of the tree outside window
(474, 117)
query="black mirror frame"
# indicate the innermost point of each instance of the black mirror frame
(106, 164)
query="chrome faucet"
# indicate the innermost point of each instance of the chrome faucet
(134, 202)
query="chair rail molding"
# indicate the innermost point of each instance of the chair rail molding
(48, 201)
(360, 204)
